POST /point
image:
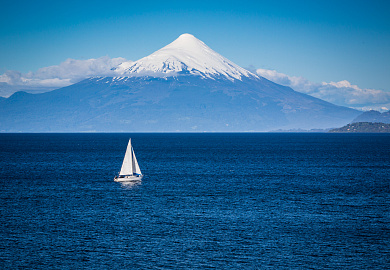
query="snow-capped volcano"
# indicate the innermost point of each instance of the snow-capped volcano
(184, 86)
(185, 55)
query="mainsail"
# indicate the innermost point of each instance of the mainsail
(127, 165)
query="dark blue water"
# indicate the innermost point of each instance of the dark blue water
(225, 201)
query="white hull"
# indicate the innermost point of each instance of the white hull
(128, 178)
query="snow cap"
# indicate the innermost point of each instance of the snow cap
(186, 55)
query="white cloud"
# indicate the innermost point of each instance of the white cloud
(48, 78)
(75, 70)
(340, 93)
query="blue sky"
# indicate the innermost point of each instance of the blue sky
(321, 41)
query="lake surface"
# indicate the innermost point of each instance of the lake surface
(224, 201)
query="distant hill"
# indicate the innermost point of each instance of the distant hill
(373, 116)
(363, 127)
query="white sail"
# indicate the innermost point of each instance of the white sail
(127, 165)
(136, 168)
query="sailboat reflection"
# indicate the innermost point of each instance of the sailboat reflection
(131, 184)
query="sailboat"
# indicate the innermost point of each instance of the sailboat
(130, 170)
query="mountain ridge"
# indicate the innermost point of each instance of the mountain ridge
(373, 116)
(363, 127)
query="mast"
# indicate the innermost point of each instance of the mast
(127, 165)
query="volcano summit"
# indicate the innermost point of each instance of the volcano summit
(185, 86)
(186, 55)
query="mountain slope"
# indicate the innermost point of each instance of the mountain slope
(192, 89)
(169, 104)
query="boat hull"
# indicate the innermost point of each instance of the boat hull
(128, 178)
